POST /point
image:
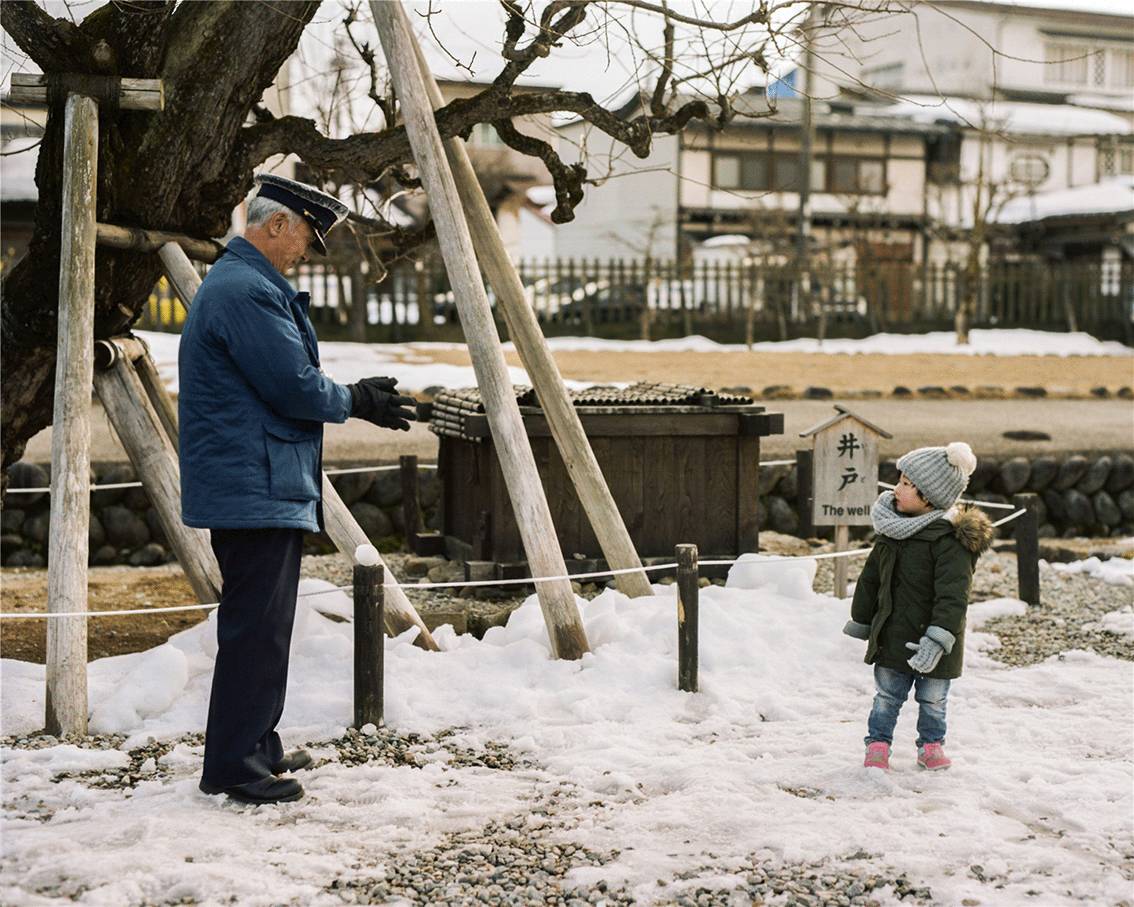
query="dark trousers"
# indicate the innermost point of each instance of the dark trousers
(260, 573)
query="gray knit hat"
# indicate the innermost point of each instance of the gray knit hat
(940, 473)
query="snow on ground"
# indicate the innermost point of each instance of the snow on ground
(1117, 571)
(347, 362)
(766, 758)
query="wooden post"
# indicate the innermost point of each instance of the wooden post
(523, 327)
(1027, 549)
(803, 484)
(140, 430)
(340, 524)
(369, 646)
(842, 543)
(70, 514)
(688, 616)
(565, 628)
(411, 506)
(135, 239)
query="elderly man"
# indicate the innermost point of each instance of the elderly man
(252, 405)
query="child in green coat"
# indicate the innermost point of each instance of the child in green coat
(910, 601)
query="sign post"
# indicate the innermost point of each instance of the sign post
(844, 478)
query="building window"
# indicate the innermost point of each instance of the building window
(763, 172)
(1066, 64)
(885, 77)
(1122, 69)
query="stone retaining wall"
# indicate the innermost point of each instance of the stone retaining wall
(1079, 496)
(125, 528)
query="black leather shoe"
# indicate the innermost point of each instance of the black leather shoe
(265, 790)
(294, 761)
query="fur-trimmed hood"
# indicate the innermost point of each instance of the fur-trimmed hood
(973, 528)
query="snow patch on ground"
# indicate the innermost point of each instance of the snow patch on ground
(1117, 571)
(348, 362)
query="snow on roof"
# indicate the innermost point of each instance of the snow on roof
(541, 195)
(17, 171)
(725, 240)
(1010, 116)
(1112, 196)
(1097, 7)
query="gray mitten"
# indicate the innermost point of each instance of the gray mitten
(936, 642)
(857, 630)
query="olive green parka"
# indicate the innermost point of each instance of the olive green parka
(909, 585)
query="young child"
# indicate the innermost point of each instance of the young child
(910, 601)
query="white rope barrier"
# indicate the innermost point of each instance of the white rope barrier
(330, 472)
(988, 504)
(777, 462)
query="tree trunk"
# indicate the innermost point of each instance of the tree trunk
(183, 169)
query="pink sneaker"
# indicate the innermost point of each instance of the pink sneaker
(877, 756)
(932, 756)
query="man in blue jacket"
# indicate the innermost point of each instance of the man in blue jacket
(252, 404)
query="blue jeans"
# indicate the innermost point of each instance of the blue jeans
(893, 688)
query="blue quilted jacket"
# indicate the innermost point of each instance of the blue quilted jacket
(252, 400)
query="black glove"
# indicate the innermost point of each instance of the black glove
(375, 400)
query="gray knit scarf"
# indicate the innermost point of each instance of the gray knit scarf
(888, 522)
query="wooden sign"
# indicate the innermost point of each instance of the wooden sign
(844, 469)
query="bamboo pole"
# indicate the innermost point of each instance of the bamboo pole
(340, 523)
(562, 418)
(68, 545)
(133, 94)
(139, 428)
(565, 628)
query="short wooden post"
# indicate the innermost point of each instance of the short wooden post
(369, 643)
(688, 616)
(68, 546)
(803, 484)
(411, 506)
(1027, 549)
(842, 543)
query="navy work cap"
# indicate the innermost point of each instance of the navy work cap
(320, 210)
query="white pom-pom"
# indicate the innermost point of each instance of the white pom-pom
(959, 454)
(366, 555)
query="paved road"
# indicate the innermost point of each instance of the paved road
(1074, 425)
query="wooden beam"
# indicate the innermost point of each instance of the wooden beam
(135, 239)
(133, 94)
(134, 350)
(574, 448)
(565, 628)
(140, 430)
(341, 526)
(70, 514)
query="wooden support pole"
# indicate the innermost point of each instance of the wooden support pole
(70, 513)
(533, 517)
(1027, 549)
(135, 239)
(134, 350)
(688, 616)
(524, 330)
(842, 543)
(369, 646)
(130, 94)
(140, 430)
(180, 273)
(411, 505)
(340, 524)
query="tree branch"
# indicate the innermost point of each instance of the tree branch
(568, 178)
(55, 45)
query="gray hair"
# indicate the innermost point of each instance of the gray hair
(260, 209)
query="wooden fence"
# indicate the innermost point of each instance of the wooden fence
(633, 298)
